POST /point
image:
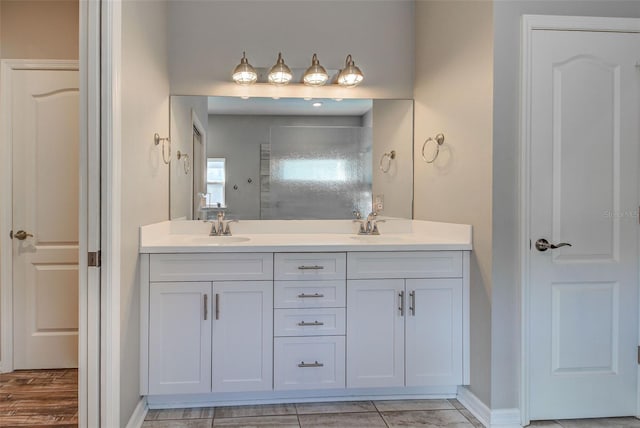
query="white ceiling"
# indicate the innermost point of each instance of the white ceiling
(288, 106)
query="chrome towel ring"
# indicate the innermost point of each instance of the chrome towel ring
(388, 156)
(156, 141)
(186, 161)
(439, 140)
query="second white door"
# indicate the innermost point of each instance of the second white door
(584, 192)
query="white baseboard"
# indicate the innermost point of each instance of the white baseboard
(496, 418)
(473, 404)
(139, 413)
(505, 418)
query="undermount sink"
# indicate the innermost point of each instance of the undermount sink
(381, 239)
(223, 239)
(211, 240)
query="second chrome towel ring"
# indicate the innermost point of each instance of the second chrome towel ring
(186, 161)
(388, 156)
(438, 140)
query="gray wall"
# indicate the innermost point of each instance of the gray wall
(238, 139)
(392, 123)
(206, 40)
(505, 295)
(144, 177)
(453, 95)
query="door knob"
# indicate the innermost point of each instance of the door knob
(543, 245)
(21, 235)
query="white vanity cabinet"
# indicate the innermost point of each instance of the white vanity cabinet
(404, 328)
(212, 331)
(303, 324)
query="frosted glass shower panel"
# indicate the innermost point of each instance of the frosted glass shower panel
(318, 172)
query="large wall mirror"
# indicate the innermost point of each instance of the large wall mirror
(264, 158)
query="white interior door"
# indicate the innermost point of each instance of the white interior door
(584, 191)
(45, 137)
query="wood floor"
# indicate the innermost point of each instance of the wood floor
(39, 398)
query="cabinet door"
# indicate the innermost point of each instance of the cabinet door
(434, 332)
(243, 336)
(375, 333)
(180, 337)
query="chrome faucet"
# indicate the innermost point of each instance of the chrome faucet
(370, 225)
(220, 227)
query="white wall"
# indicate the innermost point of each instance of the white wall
(505, 296)
(238, 139)
(207, 40)
(145, 178)
(181, 184)
(393, 130)
(453, 95)
(39, 29)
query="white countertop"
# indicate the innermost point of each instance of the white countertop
(185, 236)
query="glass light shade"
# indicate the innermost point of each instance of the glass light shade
(351, 75)
(244, 73)
(315, 75)
(280, 74)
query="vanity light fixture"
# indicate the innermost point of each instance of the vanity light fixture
(350, 76)
(244, 73)
(315, 75)
(280, 74)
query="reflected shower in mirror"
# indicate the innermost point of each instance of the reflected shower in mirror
(290, 158)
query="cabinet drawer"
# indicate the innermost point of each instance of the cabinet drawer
(304, 266)
(309, 362)
(210, 267)
(309, 294)
(405, 264)
(309, 322)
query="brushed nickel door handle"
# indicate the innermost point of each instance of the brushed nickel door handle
(20, 235)
(544, 245)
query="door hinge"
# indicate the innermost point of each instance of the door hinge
(94, 259)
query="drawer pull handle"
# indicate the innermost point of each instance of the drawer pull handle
(306, 365)
(217, 306)
(315, 267)
(306, 324)
(305, 296)
(401, 303)
(412, 308)
(206, 306)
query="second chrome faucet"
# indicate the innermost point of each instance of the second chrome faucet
(221, 227)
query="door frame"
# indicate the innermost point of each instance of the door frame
(529, 24)
(196, 124)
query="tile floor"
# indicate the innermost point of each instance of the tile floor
(356, 414)
(589, 423)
